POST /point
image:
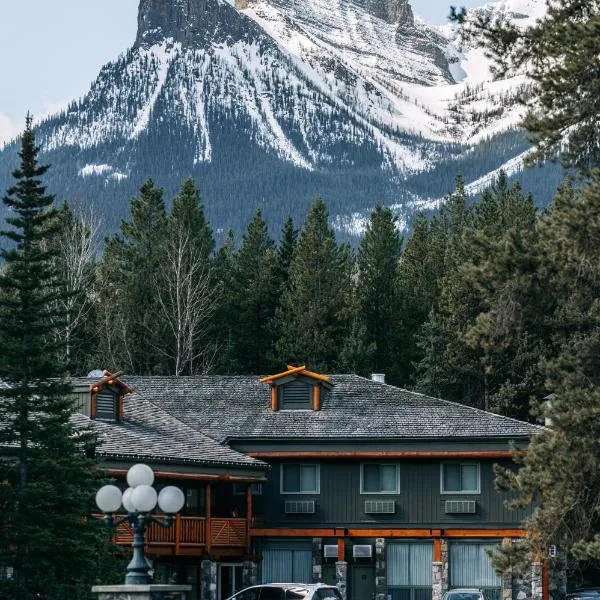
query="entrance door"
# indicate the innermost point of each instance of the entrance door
(363, 582)
(230, 580)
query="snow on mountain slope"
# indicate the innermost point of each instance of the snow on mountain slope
(322, 90)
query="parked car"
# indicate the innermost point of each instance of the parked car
(591, 593)
(464, 594)
(288, 591)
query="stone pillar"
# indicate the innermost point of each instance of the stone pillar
(141, 592)
(249, 573)
(537, 579)
(380, 570)
(341, 578)
(440, 572)
(317, 560)
(208, 585)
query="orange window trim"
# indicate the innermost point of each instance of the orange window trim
(317, 397)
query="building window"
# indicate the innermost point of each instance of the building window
(239, 489)
(470, 566)
(300, 479)
(460, 478)
(296, 395)
(379, 479)
(409, 570)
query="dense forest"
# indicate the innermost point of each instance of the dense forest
(469, 306)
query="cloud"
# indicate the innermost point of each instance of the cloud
(9, 129)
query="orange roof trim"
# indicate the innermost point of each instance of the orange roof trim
(110, 379)
(295, 371)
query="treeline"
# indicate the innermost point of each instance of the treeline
(470, 306)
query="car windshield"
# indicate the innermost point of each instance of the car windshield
(295, 593)
(463, 596)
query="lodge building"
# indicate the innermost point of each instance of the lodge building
(302, 477)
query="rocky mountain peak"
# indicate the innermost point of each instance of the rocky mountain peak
(191, 22)
(391, 11)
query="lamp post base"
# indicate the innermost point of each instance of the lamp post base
(142, 592)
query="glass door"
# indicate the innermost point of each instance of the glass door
(230, 580)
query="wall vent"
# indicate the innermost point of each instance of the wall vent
(380, 507)
(330, 551)
(362, 551)
(460, 507)
(295, 507)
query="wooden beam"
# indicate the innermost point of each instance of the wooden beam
(290, 371)
(474, 533)
(208, 502)
(437, 550)
(317, 397)
(190, 476)
(274, 399)
(341, 549)
(177, 532)
(391, 454)
(255, 532)
(545, 581)
(249, 515)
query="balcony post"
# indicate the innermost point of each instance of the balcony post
(177, 533)
(208, 519)
(249, 516)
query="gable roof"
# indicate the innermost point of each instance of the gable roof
(238, 407)
(147, 432)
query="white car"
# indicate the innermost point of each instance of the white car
(288, 591)
(464, 594)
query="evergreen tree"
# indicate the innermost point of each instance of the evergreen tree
(560, 54)
(225, 317)
(285, 253)
(377, 290)
(254, 298)
(313, 316)
(132, 336)
(48, 483)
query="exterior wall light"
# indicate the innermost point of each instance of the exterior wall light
(139, 500)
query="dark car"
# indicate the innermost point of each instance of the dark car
(591, 593)
(288, 591)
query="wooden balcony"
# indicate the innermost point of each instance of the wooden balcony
(191, 535)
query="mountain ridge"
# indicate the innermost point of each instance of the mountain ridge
(353, 99)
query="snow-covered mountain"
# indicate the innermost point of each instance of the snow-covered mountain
(271, 102)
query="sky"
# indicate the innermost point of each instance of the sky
(50, 52)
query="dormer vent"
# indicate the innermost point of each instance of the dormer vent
(297, 389)
(107, 397)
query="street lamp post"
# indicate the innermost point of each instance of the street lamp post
(139, 500)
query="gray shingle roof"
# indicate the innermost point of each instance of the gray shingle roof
(149, 432)
(225, 407)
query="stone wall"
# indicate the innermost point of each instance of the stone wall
(380, 570)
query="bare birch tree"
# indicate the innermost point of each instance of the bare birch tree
(187, 300)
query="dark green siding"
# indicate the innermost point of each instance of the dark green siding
(419, 504)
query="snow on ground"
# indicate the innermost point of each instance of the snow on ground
(509, 167)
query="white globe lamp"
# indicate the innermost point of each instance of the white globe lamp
(108, 498)
(127, 500)
(140, 474)
(143, 498)
(171, 500)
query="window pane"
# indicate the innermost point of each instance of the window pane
(451, 478)
(291, 478)
(469, 478)
(370, 478)
(388, 478)
(309, 478)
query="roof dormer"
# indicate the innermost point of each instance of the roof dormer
(107, 397)
(297, 389)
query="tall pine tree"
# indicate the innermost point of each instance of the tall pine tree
(314, 314)
(48, 483)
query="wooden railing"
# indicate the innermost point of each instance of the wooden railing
(191, 532)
